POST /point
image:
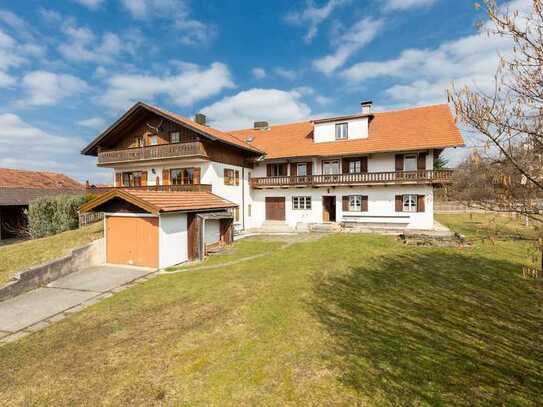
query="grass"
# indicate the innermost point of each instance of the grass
(343, 320)
(20, 256)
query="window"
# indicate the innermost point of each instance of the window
(182, 176)
(153, 139)
(277, 170)
(236, 214)
(341, 131)
(175, 137)
(355, 203)
(410, 162)
(301, 169)
(301, 202)
(132, 179)
(330, 167)
(355, 166)
(231, 177)
(410, 203)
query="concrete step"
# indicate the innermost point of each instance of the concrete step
(272, 227)
(324, 227)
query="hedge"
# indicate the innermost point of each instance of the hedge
(52, 215)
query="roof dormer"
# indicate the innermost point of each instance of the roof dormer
(353, 127)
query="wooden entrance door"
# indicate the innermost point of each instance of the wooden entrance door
(275, 208)
(329, 208)
(132, 241)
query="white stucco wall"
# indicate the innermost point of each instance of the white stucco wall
(381, 205)
(357, 129)
(212, 231)
(172, 239)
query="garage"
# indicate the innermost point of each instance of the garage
(275, 208)
(160, 229)
(132, 240)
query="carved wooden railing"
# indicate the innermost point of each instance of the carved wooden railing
(155, 152)
(368, 178)
(167, 188)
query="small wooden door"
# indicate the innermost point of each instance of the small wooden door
(275, 208)
(329, 208)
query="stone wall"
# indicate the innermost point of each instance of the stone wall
(89, 255)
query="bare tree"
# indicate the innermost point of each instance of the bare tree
(506, 174)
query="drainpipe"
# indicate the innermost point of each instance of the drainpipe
(243, 198)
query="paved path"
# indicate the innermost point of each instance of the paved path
(37, 308)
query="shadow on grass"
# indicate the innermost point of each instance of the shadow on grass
(436, 328)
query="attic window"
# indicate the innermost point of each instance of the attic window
(342, 131)
(175, 137)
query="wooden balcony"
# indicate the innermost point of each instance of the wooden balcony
(156, 152)
(369, 178)
(167, 188)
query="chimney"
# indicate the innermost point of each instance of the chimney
(366, 106)
(261, 125)
(200, 118)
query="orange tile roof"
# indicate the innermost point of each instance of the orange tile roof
(11, 178)
(162, 201)
(403, 130)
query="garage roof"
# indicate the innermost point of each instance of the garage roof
(162, 201)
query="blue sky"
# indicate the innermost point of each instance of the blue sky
(68, 68)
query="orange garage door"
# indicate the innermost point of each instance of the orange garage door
(132, 240)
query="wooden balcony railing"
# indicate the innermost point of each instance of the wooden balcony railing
(167, 188)
(155, 152)
(369, 178)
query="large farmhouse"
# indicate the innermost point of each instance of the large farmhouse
(181, 186)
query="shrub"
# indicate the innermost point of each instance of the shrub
(52, 215)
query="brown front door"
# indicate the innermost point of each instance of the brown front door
(329, 208)
(132, 241)
(275, 208)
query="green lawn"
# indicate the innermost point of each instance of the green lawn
(343, 320)
(17, 257)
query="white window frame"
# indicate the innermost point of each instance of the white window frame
(355, 165)
(177, 135)
(355, 203)
(154, 139)
(409, 203)
(410, 158)
(301, 203)
(342, 131)
(330, 163)
(298, 172)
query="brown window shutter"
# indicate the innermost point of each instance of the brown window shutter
(268, 170)
(345, 203)
(165, 177)
(309, 168)
(421, 161)
(284, 169)
(196, 175)
(119, 179)
(144, 178)
(364, 207)
(293, 169)
(363, 164)
(399, 162)
(345, 165)
(420, 203)
(399, 203)
(226, 176)
(236, 175)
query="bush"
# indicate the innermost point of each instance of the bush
(52, 215)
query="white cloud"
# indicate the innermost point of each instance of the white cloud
(49, 152)
(92, 4)
(6, 80)
(259, 73)
(347, 43)
(313, 16)
(192, 31)
(407, 4)
(190, 85)
(285, 73)
(44, 88)
(242, 109)
(95, 123)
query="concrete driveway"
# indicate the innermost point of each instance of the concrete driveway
(38, 308)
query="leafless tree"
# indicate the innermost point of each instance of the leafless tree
(506, 173)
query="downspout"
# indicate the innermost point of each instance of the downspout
(243, 198)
